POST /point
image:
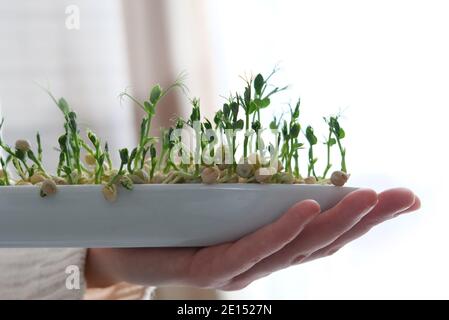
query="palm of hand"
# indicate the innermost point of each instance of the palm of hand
(300, 235)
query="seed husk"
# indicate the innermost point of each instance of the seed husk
(59, 181)
(264, 175)
(229, 178)
(143, 175)
(286, 178)
(158, 177)
(310, 180)
(223, 166)
(242, 180)
(169, 178)
(339, 178)
(233, 179)
(84, 180)
(23, 183)
(23, 145)
(136, 179)
(139, 177)
(245, 170)
(210, 175)
(75, 177)
(36, 178)
(126, 182)
(110, 192)
(48, 188)
(90, 159)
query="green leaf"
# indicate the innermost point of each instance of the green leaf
(256, 125)
(218, 117)
(332, 142)
(311, 136)
(295, 114)
(67, 170)
(333, 123)
(155, 94)
(207, 124)
(226, 110)
(252, 107)
(235, 109)
(296, 146)
(341, 133)
(64, 106)
(238, 125)
(124, 156)
(258, 84)
(93, 138)
(295, 129)
(262, 103)
(247, 96)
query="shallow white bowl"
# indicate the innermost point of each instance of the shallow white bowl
(149, 215)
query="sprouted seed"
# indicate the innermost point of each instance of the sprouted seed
(310, 180)
(339, 178)
(23, 145)
(264, 175)
(85, 159)
(48, 188)
(110, 192)
(37, 178)
(209, 175)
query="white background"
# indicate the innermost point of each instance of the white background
(385, 63)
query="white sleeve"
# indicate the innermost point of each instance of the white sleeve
(42, 273)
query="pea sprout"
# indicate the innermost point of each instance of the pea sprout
(85, 159)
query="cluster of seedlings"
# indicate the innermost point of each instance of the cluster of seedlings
(217, 155)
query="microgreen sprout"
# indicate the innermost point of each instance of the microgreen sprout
(329, 143)
(312, 139)
(149, 107)
(339, 134)
(85, 159)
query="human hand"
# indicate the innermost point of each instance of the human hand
(300, 235)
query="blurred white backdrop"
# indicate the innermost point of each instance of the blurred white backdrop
(87, 66)
(384, 63)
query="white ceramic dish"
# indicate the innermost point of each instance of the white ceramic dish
(149, 215)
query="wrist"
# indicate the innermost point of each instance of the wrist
(98, 269)
(143, 266)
